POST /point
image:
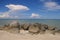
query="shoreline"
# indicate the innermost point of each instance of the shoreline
(34, 28)
(35, 31)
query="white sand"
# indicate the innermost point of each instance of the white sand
(9, 36)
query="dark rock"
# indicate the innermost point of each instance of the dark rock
(52, 28)
(7, 25)
(25, 26)
(57, 31)
(38, 25)
(44, 27)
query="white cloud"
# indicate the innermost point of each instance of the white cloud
(35, 15)
(52, 5)
(4, 15)
(17, 7)
(12, 8)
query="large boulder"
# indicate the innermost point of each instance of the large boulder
(14, 24)
(52, 28)
(57, 31)
(44, 27)
(25, 26)
(34, 29)
(1, 28)
(6, 26)
(38, 25)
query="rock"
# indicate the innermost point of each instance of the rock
(25, 26)
(6, 26)
(52, 28)
(34, 29)
(44, 27)
(1, 28)
(57, 31)
(31, 28)
(38, 25)
(14, 24)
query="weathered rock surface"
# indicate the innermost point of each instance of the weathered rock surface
(25, 26)
(14, 24)
(34, 28)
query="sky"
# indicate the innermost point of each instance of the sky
(29, 9)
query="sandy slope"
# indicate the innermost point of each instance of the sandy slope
(9, 36)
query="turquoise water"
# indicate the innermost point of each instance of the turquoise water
(51, 22)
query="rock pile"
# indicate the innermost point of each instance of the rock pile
(31, 28)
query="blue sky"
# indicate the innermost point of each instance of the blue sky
(29, 9)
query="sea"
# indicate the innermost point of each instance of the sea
(50, 22)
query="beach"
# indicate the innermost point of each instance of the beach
(35, 31)
(10, 36)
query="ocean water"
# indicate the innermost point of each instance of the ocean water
(50, 22)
